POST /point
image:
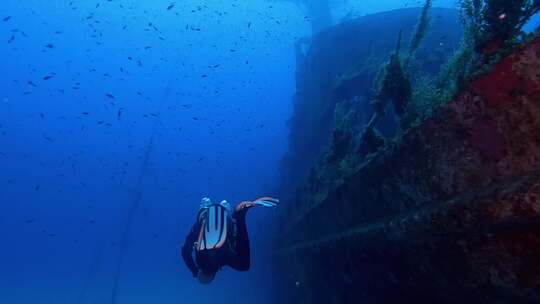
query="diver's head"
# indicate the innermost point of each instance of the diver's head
(206, 278)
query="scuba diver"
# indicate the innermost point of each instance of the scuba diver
(219, 238)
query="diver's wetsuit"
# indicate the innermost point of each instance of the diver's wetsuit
(237, 255)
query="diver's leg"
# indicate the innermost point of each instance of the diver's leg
(242, 259)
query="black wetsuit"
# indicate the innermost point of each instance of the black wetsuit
(235, 254)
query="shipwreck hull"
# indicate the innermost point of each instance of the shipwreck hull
(341, 63)
(448, 214)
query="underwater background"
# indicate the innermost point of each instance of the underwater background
(117, 116)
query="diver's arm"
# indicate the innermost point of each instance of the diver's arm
(187, 249)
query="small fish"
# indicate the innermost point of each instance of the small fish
(48, 77)
(31, 84)
(50, 46)
(111, 96)
(6, 18)
(11, 39)
(37, 188)
(30, 221)
(85, 113)
(170, 7)
(195, 118)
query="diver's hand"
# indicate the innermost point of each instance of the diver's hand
(244, 205)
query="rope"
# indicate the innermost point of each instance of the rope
(138, 192)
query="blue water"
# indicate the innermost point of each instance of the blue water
(108, 106)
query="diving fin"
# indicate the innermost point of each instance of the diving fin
(268, 202)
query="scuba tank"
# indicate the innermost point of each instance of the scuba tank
(216, 225)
